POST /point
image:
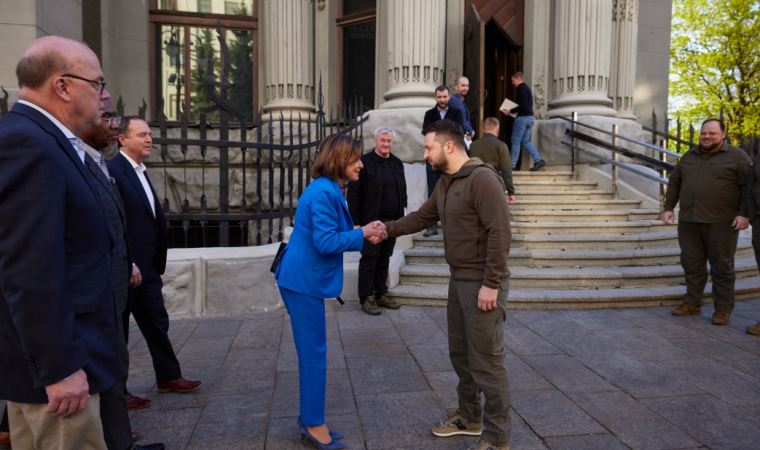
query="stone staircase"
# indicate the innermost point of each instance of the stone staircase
(575, 245)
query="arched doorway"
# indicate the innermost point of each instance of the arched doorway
(493, 51)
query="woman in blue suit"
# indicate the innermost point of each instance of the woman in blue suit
(312, 269)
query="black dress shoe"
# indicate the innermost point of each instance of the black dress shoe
(537, 166)
(154, 446)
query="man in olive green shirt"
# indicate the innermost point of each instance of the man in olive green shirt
(491, 150)
(711, 182)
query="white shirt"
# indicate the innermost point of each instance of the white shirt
(66, 132)
(443, 112)
(97, 156)
(140, 171)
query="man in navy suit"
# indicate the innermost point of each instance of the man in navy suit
(441, 110)
(58, 332)
(146, 239)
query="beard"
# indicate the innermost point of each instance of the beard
(711, 147)
(438, 166)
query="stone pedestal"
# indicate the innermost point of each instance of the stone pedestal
(415, 44)
(625, 17)
(288, 59)
(582, 51)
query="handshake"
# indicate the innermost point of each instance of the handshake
(375, 232)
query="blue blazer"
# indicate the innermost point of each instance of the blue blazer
(146, 234)
(313, 262)
(56, 302)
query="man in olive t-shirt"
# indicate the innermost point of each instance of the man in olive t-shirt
(711, 182)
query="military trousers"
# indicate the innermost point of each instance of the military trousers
(714, 243)
(476, 349)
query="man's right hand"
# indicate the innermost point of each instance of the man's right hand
(136, 278)
(667, 217)
(69, 396)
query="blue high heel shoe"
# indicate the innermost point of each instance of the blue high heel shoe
(334, 435)
(307, 438)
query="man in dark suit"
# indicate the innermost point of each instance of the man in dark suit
(441, 110)
(58, 332)
(113, 407)
(146, 239)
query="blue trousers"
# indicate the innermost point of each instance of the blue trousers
(307, 319)
(521, 138)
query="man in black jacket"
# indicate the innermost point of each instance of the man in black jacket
(521, 129)
(380, 194)
(441, 110)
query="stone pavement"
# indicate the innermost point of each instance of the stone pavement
(607, 379)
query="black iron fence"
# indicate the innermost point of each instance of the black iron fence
(230, 181)
(234, 183)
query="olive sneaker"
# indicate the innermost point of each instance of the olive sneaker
(456, 425)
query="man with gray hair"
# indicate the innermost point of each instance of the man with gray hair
(380, 194)
(58, 333)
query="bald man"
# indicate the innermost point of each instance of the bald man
(58, 328)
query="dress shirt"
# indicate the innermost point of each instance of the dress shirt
(98, 158)
(66, 132)
(140, 171)
(443, 112)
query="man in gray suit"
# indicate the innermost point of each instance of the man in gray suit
(113, 407)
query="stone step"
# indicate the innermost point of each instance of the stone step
(566, 240)
(552, 185)
(607, 277)
(577, 205)
(437, 295)
(562, 195)
(611, 215)
(524, 257)
(550, 175)
(591, 227)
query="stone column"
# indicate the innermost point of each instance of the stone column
(625, 25)
(288, 59)
(582, 50)
(416, 47)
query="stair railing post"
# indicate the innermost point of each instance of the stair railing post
(573, 143)
(615, 131)
(663, 186)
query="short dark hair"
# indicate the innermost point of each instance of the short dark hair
(125, 122)
(721, 123)
(447, 130)
(34, 69)
(441, 88)
(335, 153)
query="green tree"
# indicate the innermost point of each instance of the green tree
(715, 63)
(241, 73)
(206, 68)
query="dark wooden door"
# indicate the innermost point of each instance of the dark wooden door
(474, 35)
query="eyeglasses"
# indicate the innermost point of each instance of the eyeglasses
(100, 83)
(113, 121)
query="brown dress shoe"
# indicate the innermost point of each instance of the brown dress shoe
(134, 402)
(180, 385)
(685, 309)
(754, 329)
(387, 302)
(721, 317)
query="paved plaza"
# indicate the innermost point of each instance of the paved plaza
(608, 379)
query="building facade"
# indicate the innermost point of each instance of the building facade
(606, 58)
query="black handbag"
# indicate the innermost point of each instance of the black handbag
(278, 257)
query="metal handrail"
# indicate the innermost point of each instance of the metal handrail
(627, 139)
(622, 165)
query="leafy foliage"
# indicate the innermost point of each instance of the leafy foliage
(715, 63)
